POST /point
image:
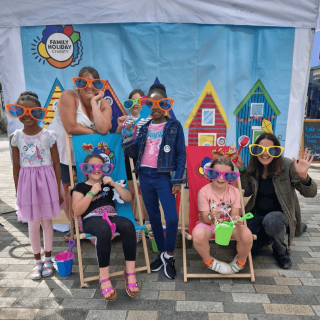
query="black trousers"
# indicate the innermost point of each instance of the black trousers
(100, 228)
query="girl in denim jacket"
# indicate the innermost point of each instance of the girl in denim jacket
(160, 150)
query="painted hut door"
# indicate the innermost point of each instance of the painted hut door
(207, 140)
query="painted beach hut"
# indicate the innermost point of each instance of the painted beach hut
(253, 109)
(50, 104)
(116, 106)
(207, 122)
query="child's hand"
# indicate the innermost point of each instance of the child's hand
(61, 199)
(216, 212)
(96, 188)
(129, 126)
(108, 180)
(239, 223)
(121, 120)
(176, 189)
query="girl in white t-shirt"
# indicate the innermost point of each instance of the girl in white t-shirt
(215, 200)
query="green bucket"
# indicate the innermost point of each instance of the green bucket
(223, 233)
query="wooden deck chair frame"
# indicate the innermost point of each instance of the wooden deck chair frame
(186, 235)
(76, 226)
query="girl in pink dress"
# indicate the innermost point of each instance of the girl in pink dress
(36, 173)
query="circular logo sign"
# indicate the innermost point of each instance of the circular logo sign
(221, 141)
(167, 148)
(59, 47)
(109, 99)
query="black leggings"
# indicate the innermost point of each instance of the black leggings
(102, 231)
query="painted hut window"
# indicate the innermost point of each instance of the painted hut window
(257, 109)
(208, 117)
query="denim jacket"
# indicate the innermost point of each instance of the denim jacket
(172, 152)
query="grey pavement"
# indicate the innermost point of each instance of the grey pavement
(277, 294)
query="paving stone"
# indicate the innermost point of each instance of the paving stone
(74, 293)
(266, 273)
(172, 295)
(45, 303)
(273, 317)
(106, 314)
(123, 302)
(18, 283)
(292, 299)
(199, 306)
(290, 309)
(309, 267)
(310, 282)
(138, 315)
(53, 284)
(15, 261)
(159, 286)
(18, 313)
(311, 260)
(250, 298)
(181, 315)
(265, 281)
(3, 291)
(28, 292)
(61, 314)
(314, 254)
(295, 274)
(237, 288)
(246, 308)
(275, 289)
(316, 309)
(6, 302)
(20, 268)
(196, 285)
(3, 267)
(13, 275)
(227, 316)
(72, 303)
(209, 296)
(282, 281)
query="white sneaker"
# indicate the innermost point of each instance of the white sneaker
(220, 267)
(235, 267)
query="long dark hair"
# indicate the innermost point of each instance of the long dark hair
(255, 168)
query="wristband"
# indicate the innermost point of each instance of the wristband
(209, 216)
(242, 169)
(90, 193)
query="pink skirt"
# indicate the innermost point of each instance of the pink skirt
(37, 195)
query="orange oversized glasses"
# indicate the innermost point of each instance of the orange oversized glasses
(164, 104)
(17, 111)
(82, 83)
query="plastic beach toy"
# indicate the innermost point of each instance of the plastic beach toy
(224, 229)
(64, 260)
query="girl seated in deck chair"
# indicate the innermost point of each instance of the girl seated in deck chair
(90, 200)
(215, 200)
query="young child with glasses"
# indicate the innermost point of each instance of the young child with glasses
(93, 201)
(219, 200)
(36, 173)
(160, 150)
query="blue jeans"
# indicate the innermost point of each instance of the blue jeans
(271, 226)
(154, 186)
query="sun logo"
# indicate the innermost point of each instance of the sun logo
(60, 47)
(205, 163)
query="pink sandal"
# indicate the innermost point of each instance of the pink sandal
(104, 291)
(130, 285)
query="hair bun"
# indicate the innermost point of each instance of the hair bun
(158, 86)
(29, 93)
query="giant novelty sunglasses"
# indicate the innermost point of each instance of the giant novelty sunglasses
(89, 168)
(17, 111)
(214, 174)
(273, 151)
(82, 83)
(130, 103)
(164, 104)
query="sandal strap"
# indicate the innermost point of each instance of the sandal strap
(132, 285)
(47, 264)
(104, 280)
(126, 274)
(104, 291)
(37, 266)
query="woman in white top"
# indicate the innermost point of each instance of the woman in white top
(80, 111)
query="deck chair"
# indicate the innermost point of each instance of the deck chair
(109, 147)
(197, 159)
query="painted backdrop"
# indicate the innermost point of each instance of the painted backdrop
(187, 58)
